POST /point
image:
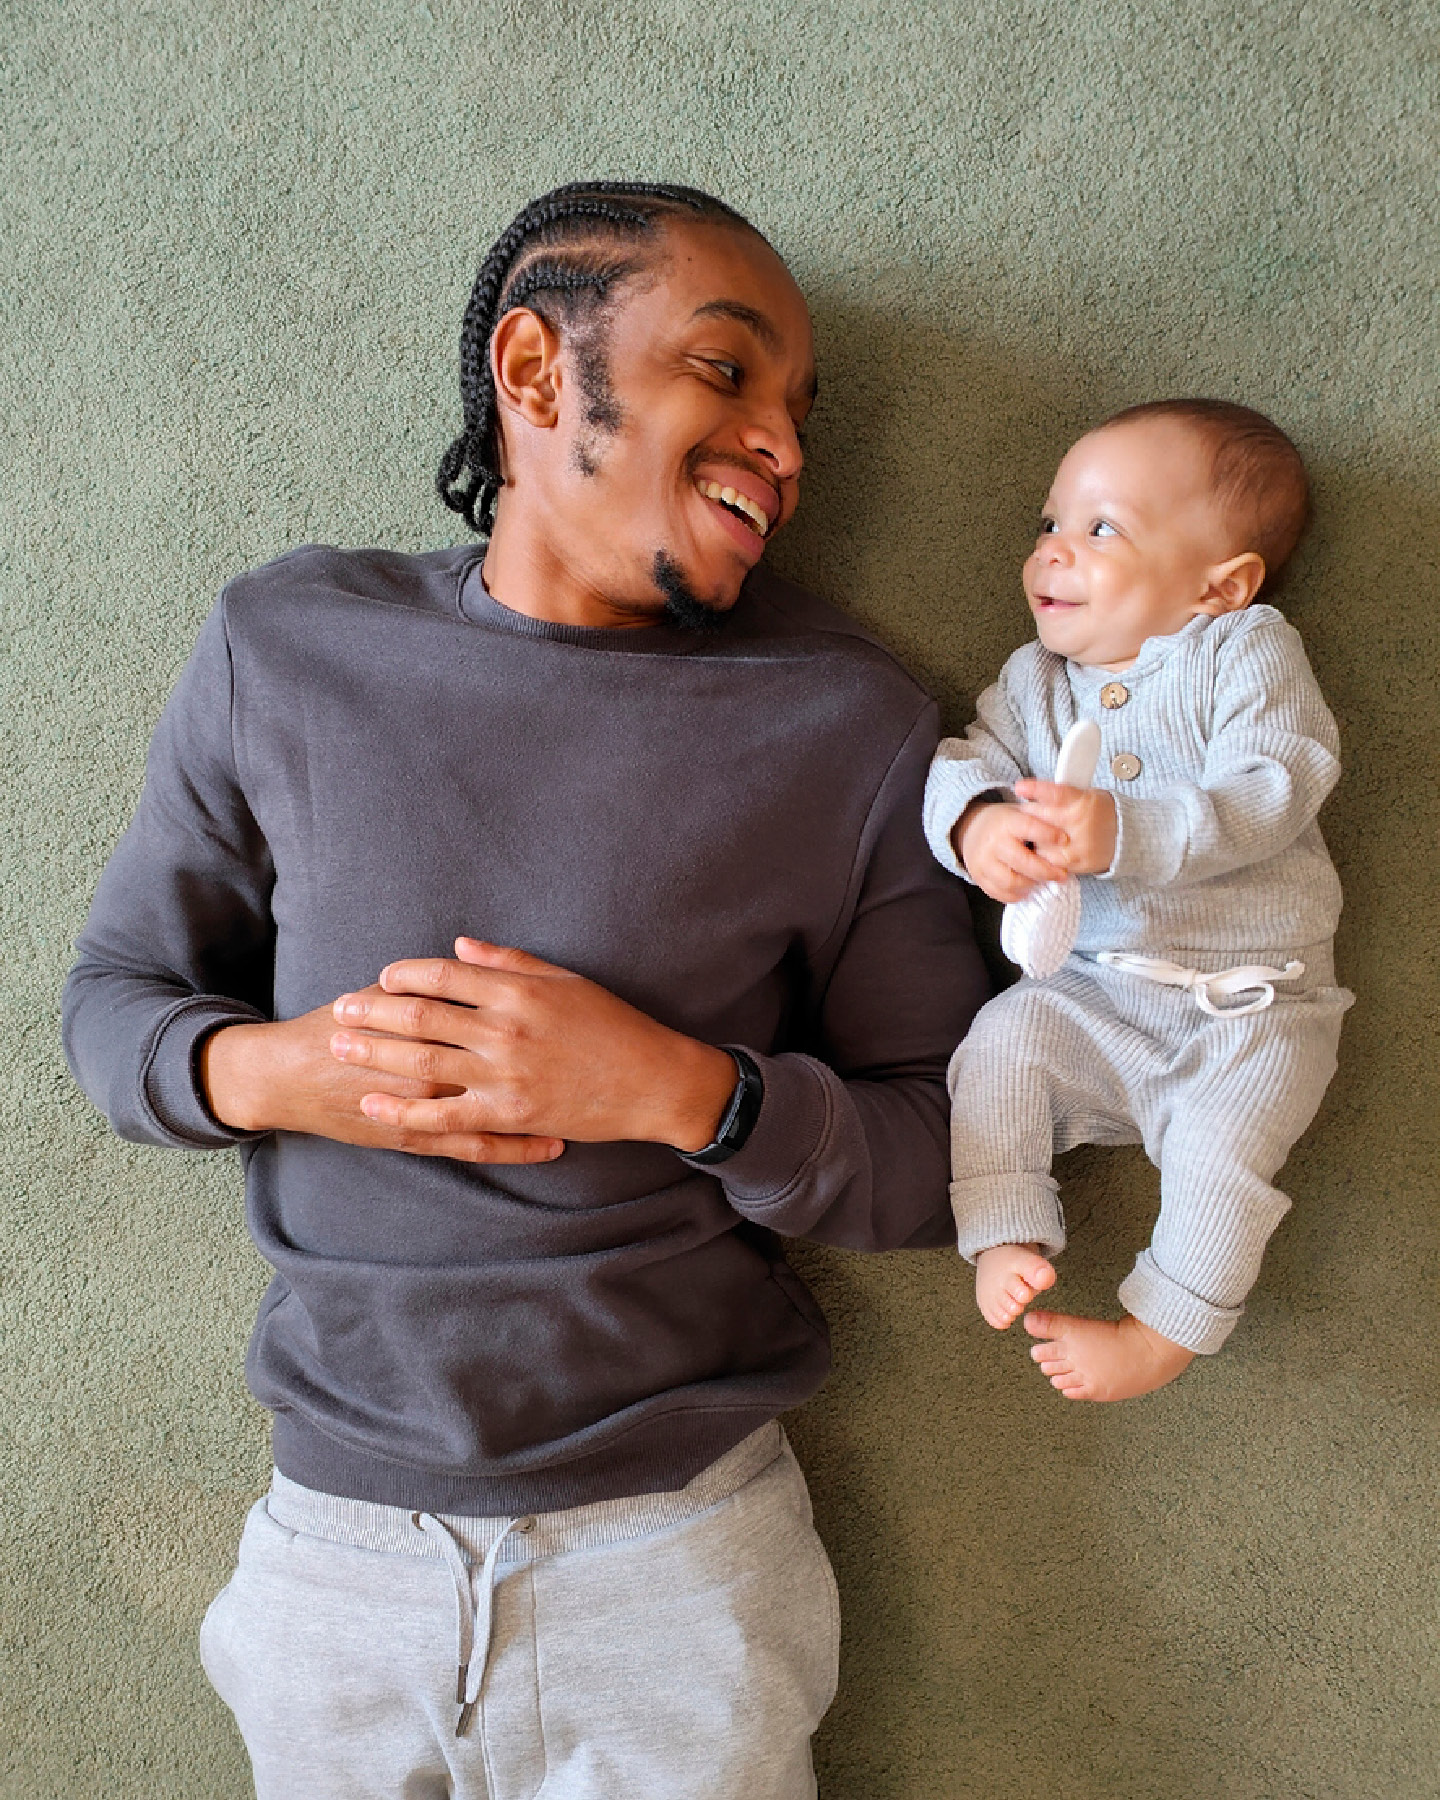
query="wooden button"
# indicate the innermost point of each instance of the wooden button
(1125, 767)
(1113, 695)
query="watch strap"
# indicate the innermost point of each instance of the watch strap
(738, 1119)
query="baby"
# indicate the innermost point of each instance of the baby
(1197, 1013)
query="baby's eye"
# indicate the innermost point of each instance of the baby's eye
(1047, 527)
(1102, 528)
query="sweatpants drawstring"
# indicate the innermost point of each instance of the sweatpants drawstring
(473, 1623)
(1224, 982)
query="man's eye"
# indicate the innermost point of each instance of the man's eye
(1102, 528)
(731, 371)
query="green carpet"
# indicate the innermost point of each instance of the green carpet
(236, 243)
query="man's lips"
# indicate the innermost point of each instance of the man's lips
(743, 495)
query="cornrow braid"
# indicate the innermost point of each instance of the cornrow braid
(565, 254)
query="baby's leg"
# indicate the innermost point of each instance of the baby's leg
(1219, 1144)
(1226, 1137)
(1030, 1059)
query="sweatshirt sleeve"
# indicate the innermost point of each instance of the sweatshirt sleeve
(179, 940)
(1272, 758)
(991, 757)
(852, 1143)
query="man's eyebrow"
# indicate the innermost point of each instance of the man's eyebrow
(758, 323)
(743, 315)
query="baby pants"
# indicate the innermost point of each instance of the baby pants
(673, 1646)
(1096, 1055)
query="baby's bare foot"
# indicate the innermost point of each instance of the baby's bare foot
(1104, 1359)
(1007, 1279)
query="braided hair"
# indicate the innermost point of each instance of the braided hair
(563, 255)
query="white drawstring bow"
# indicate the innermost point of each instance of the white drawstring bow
(1222, 982)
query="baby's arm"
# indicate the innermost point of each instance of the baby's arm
(974, 827)
(1272, 757)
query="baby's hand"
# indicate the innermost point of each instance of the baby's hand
(1086, 817)
(1007, 849)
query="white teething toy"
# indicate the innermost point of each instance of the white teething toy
(1037, 932)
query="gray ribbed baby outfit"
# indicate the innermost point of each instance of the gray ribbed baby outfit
(1219, 749)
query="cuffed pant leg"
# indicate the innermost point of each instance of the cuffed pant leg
(1227, 1136)
(1032, 1072)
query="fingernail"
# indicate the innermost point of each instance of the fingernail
(350, 1006)
(370, 1106)
(557, 1148)
(340, 1043)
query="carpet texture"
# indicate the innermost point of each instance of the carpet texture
(236, 242)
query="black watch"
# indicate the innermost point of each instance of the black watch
(738, 1119)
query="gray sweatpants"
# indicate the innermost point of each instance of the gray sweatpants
(1096, 1055)
(673, 1646)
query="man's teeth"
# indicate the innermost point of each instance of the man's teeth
(741, 503)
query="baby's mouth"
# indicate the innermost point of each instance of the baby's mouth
(1048, 603)
(744, 508)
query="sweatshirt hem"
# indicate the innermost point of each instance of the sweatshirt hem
(658, 1456)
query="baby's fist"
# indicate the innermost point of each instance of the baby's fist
(1085, 816)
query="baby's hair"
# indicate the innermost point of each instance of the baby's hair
(1257, 474)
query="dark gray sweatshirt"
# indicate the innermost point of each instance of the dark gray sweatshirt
(367, 756)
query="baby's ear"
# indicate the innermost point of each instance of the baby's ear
(1231, 586)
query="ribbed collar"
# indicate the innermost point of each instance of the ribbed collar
(480, 607)
(1153, 651)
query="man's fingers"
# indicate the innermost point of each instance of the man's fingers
(479, 954)
(408, 1014)
(426, 1066)
(443, 978)
(443, 1128)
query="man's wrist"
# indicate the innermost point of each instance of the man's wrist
(740, 1115)
(225, 1066)
(700, 1097)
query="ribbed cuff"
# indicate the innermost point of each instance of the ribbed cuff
(1021, 1208)
(1149, 841)
(791, 1130)
(1149, 1295)
(170, 1079)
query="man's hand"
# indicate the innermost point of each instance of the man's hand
(1009, 850)
(514, 1047)
(283, 1077)
(1086, 817)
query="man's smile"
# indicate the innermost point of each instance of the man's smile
(742, 495)
(736, 502)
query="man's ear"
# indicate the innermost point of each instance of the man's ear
(524, 359)
(1231, 586)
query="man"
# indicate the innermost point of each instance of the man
(531, 1326)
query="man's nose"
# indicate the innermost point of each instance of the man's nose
(775, 437)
